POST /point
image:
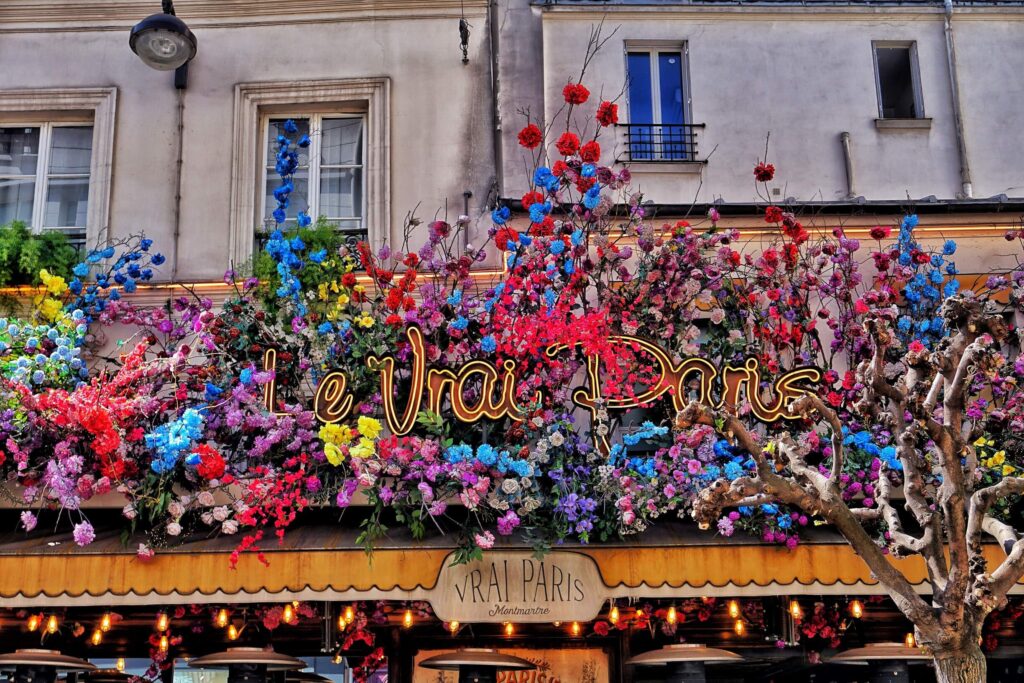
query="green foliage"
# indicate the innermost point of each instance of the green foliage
(23, 255)
(320, 235)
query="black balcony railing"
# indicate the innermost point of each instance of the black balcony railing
(660, 141)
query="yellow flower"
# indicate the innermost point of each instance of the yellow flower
(54, 284)
(50, 309)
(366, 321)
(336, 434)
(998, 458)
(359, 288)
(334, 454)
(363, 450)
(980, 441)
(368, 427)
(343, 299)
(1008, 470)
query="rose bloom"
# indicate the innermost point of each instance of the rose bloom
(607, 113)
(764, 172)
(568, 144)
(530, 137)
(590, 152)
(173, 529)
(229, 527)
(575, 93)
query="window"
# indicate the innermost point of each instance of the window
(44, 176)
(658, 104)
(897, 82)
(329, 180)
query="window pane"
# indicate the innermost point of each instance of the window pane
(341, 192)
(641, 108)
(275, 128)
(67, 203)
(71, 149)
(896, 83)
(342, 142)
(16, 200)
(298, 200)
(19, 151)
(670, 73)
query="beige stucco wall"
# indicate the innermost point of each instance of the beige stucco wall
(804, 77)
(439, 119)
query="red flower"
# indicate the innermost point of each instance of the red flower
(773, 214)
(601, 628)
(211, 463)
(764, 172)
(394, 319)
(880, 233)
(348, 280)
(531, 198)
(575, 93)
(530, 137)
(503, 237)
(568, 144)
(559, 168)
(608, 113)
(590, 152)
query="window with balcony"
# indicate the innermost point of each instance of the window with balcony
(45, 172)
(658, 127)
(329, 181)
(897, 81)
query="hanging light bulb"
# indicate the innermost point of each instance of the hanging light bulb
(105, 622)
(672, 616)
(162, 621)
(556, 624)
(342, 623)
(575, 628)
(97, 637)
(165, 643)
(33, 622)
(739, 627)
(222, 618)
(856, 609)
(120, 664)
(510, 628)
(794, 610)
(52, 624)
(453, 626)
(288, 615)
(407, 619)
(350, 614)
(337, 658)
(734, 609)
(613, 614)
(910, 641)
(232, 632)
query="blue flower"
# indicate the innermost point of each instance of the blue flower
(557, 247)
(212, 391)
(950, 288)
(910, 222)
(145, 244)
(81, 270)
(455, 298)
(592, 197)
(304, 141)
(245, 376)
(459, 323)
(550, 298)
(107, 253)
(501, 215)
(488, 345)
(569, 268)
(304, 219)
(588, 170)
(318, 256)
(538, 211)
(324, 328)
(279, 215)
(949, 247)
(290, 127)
(541, 176)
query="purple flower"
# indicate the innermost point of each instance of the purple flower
(28, 520)
(84, 534)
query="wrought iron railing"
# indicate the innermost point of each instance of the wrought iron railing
(659, 141)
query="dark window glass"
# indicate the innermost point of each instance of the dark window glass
(896, 83)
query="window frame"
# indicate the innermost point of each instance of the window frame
(315, 161)
(915, 78)
(43, 176)
(652, 48)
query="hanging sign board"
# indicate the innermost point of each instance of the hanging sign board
(519, 587)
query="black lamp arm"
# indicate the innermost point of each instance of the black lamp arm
(168, 7)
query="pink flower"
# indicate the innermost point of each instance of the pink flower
(144, 553)
(484, 540)
(84, 534)
(28, 520)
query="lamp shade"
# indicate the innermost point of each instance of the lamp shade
(874, 652)
(241, 656)
(43, 658)
(477, 658)
(163, 42)
(683, 652)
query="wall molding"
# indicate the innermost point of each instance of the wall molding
(251, 98)
(101, 105)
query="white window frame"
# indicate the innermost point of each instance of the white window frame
(254, 100)
(73, 106)
(652, 48)
(915, 77)
(43, 176)
(315, 156)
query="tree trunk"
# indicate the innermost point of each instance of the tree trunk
(963, 666)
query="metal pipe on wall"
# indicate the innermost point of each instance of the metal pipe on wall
(966, 187)
(179, 169)
(851, 191)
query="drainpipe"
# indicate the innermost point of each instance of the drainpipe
(851, 191)
(966, 188)
(492, 20)
(179, 168)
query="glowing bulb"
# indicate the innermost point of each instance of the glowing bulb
(52, 624)
(342, 623)
(734, 609)
(222, 618)
(350, 614)
(337, 659)
(575, 628)
(407, 619)
(33, 622)
(97, 637)
(856, 609)
(120, 664)
(794, 610)
(672, 617)
(910, 641)
(165, 643)
(232, 632)
(739, 627)
(288, 615)
(556, 624)
(613, 615)
(105, 622)
(162, 622)
(510, 628)
(453, 626)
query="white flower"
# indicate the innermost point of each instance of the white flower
(176, 509)
(220, 513)
(717, 316)
(128, 511)
(510, 486)
(229, 527)
(557, 439)
(205, 498)
(173, 529)
(207, 518)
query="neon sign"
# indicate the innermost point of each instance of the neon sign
(443, 389)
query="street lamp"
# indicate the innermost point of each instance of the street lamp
(40, 666)
(164, 42)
